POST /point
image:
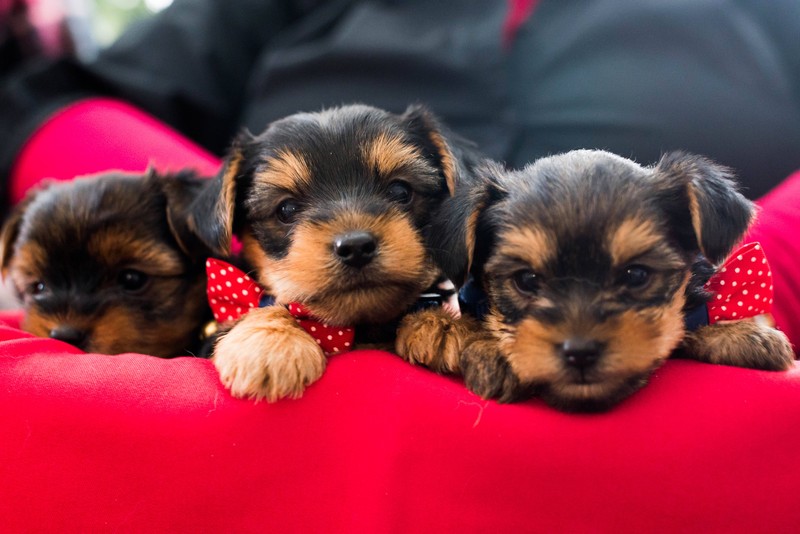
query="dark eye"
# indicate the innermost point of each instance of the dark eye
(288, 211)
(132, 280)
(635, 277)
(526, 281)
(37, 288)
(399, 192)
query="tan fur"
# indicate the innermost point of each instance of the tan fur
(742, 344)
(286, 170)
(694, 210)
(472, 223)
(226, 202)
(25, 264)
(486, 370)
(310, 274)
(433, 338)
(119, 329)
(121, 247)
(534, 246)
(636, 342)
(448, 163)
(267, 355)
(388, 154)
(631, 238)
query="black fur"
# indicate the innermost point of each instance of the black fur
(579, 200)
(77, 283)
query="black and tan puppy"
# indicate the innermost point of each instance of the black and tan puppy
(99, 262)
(336, 211)
(591, 264)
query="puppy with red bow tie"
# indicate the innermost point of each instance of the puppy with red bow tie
(348, 222)
(594, 270)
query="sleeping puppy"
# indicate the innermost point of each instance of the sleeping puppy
(596, 269)
(99, 263)
(339, 214)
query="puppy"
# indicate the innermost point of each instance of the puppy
(592, 265)
(100, 263)
(339, 217)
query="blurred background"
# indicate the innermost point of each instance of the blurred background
(29, 28)
(36, 28)
(107, 18)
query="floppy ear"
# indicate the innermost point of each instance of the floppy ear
(428, 134)
(453, 231)
(181, 190)
(11, 227)
(718, 214)
(209, 214)
(483, 231)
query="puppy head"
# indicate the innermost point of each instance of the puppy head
(97, 264)
(587, 258)
(332, 207)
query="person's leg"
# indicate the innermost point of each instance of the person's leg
(778, 230)
(101, 134)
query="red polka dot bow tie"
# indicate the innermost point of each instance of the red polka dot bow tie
(232, 293)
(742, 287)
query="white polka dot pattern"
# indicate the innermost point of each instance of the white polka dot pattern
(738, 291)
(333, 339)
(231, 293)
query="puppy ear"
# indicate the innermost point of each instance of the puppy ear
(12, 224)
(719, 214)
(484, 229)
(8, 237)
(181, 190)
(453, 232)
(210, 216)
(428, 134)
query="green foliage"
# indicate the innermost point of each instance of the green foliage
(110, 17)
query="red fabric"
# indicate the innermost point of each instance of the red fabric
(232, 293)
(519, 11)
(742, 287)
(132, 443)
(77, 140)
(777, 230)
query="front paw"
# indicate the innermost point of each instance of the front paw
(268, 356)
(487, 372)
(742, 344)
(433, 338)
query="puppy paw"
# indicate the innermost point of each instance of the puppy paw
(487, 372)
(742, 344)
(433, 338)
(268, 356)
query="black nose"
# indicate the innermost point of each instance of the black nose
(68, 334)
(580, 353)
(355, 249)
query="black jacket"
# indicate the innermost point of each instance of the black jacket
(637, 77)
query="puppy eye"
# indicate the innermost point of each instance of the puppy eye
(132, 280)
(288, 211)
(526, 281)
(399, 192)
(635, 276)
(37, 288)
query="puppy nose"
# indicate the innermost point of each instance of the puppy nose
(581, 353)
(68, 334)
(355, 249)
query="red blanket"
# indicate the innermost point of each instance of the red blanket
(135, 443)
